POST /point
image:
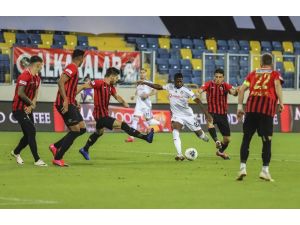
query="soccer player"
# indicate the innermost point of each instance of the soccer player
(265, 91)
(216, 94)
(24, 103)
(182, 114)
(66, 105)
(103, 89)
(143, 105)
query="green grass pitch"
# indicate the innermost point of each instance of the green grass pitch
(142, 175)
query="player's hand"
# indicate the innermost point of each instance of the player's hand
(280, 108)
(126, 105)
(132, 97)
(33, 104)
(28, 109)
(209, 119)
(240, 113)
(78, 106)
(65, 107)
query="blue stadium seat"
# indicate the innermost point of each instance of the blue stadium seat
(141, 44)
(163, 65)
(22, 39)
(174, 64)
(243, 51)
(82, 40)
(1, 38)
(131, 39)
(186, 72)
(35, 39)
(197, 53)
(175, 54)
(57, 46)
(222, 45)
(233, 45)
(244, 45)
(186, 43)
(59, 39)
(266, 46)
(152, 43)
(162, 53)
(185, 64)
(197, 80)
(197, 73)
(198, 44)
(187, 79)
(279, 67)
(219, 63)
(175, 43)
(277, 46)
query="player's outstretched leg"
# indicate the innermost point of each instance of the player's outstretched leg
(177, 143)
(135, 133)
(135, 120)
(91, 141)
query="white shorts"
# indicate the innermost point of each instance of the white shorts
(189, 121)
(143, 111)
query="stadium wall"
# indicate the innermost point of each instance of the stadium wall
(47, 119)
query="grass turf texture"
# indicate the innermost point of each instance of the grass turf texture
(142, 175)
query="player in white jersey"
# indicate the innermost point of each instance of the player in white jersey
(143, 105)
(182, 114)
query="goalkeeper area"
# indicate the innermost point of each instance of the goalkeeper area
(141, 175)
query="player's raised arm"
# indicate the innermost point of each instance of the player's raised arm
(83, 87)
(120, 100)
(154, 86)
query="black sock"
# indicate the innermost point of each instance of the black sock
(213, 133)
(22, 144)
(92, 139)
(132, 132)
(67, 142)
(224, 146)
(59, 143)
(266, 151)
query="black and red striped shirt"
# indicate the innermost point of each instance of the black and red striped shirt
(102, 93)
(70, 86)
(31, 84)
(216, 96)
(262, 97)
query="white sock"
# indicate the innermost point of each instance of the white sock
(202, 135)
(152, 122)
(265, 169)
(134, 123)
(177, 141)
(243, 166)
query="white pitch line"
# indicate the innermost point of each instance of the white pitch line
(19, 201)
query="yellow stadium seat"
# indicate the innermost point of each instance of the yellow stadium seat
(69, 47)
(278, 56)
(186, 53)
(197, 64)
(5, 45)
(93, 41)
(162, 96)
(211, 45)
(9, 37)
(288, 46)
(164, 42)
(44, 46)
(47, 39)
(255, 61)
(255, 46)
(7, 78)
(5, 50)
(71, 40)
(289, 67)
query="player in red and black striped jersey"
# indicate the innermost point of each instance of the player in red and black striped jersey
(66, 105)
(265, 91)
(216, 95)
(24, 102)
(103, 89)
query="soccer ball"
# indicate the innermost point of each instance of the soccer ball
(191, 154)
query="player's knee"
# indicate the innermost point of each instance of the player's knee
(99, 132)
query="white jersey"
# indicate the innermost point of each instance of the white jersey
(179, 100)
(141, 90)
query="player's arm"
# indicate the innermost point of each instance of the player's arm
(133, 96)
(278, 90)
(153, 92)
(28, 109)
(61, 87)
(23, 96)
(154, 86)
(83, 87)
(241, 94)
(234, 91)
(204, 110)
(120, 100)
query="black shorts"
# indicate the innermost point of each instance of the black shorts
(72, 117)
(261, 123)
(221, 121)
(106, 122)
(22, 117)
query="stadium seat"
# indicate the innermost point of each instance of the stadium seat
(277, 46)
(152, 43)
(163, 65)
(69, 47)
(141, 44)
(187, 43)
(174, 64)
(1, 38)
(211, 45)
(35, 39)
(175, 54)
(164, 42)
(222, 45)
(197, 53)
(57, 46)
(288, 67)
(288, 46)
(244, 45)
(44, 46)
(162, 53)
(186, 53)
(22, 39)
(175, 43)
(255, 46)
(196, 64)
(266, 46)
(5, 50)
(9, 37)
(279, 67)
(197, 80)
(278, 56)
(162, 96)
(255, 62)
(59, 39)
(82, 40)
(47, 39)
(71, 40)
(198, 44)
(185, 64)
(233, 45)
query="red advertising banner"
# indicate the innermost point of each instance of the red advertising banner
(95, 62)
(121, 113)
